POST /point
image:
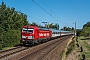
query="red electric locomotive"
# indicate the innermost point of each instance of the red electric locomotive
(33, 34)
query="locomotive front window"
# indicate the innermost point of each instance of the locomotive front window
(30, 30)
(27, 30)
(24, 30)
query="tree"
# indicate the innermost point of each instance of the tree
(86, 25)
(78, 32)
(86, 29)
(35, 24)
(50, 25)
(57, 26)
(11, 22)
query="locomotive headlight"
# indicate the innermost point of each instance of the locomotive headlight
(23, 36)
(30, 37)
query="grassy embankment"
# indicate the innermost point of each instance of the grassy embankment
(69, 47)
(80, 46)
(85, 43)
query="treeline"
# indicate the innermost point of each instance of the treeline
(85, 31)
(67, 28)
(51, 25)
(11, 22)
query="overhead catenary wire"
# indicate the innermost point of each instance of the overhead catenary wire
(45, 10)
(40, 7)
(51, 10)
(48, 7)
(35, 14)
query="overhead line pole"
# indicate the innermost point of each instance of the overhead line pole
(75, 29)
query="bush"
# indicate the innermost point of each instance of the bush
(0, 46)
(11, 38)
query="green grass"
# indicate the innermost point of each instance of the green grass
(87, 54)
(70, 47)
(85, 45)
(6, 48)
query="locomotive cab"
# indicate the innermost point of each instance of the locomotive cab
(27, 35)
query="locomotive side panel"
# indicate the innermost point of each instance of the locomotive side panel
(44, 34)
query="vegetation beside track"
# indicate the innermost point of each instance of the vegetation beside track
(82, 43)
(78, 50)
(69, 48)
(11, 22)
(85, 43)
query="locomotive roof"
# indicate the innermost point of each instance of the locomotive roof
(44, 29)
(65, 31)
(30, 27)
(53, 30)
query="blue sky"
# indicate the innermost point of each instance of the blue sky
(63, 12)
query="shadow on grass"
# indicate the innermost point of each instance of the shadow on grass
(86, 38)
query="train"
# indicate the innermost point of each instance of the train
(33, 34)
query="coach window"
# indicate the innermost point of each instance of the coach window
(53, 32)
(58, 32)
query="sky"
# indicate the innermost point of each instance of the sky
(63, 12)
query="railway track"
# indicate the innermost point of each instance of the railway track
(40, 53)
(9, 52)
(37, 52)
